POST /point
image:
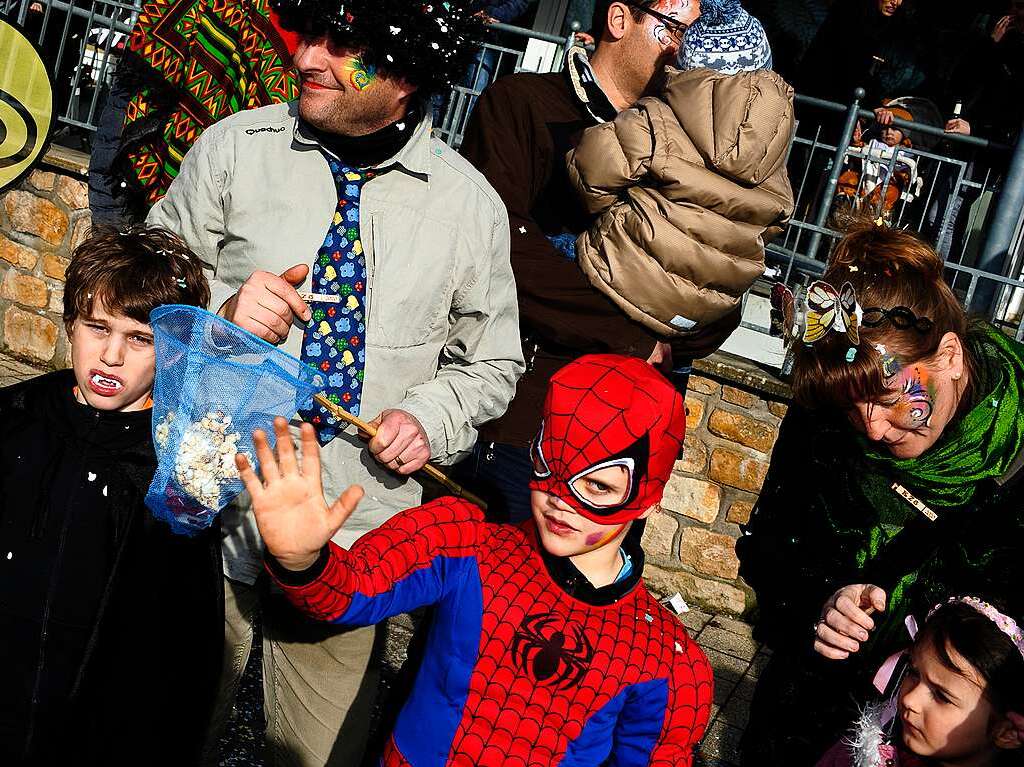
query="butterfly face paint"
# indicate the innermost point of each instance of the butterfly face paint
(913, 392)
(913, 409)
(360, 74)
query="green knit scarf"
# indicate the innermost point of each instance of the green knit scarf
(984, 441)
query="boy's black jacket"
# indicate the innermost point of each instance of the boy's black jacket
(111, 626)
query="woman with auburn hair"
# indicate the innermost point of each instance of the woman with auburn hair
(895, 482)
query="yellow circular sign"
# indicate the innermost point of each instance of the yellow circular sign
(26, 105)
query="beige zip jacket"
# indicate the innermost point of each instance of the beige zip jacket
(442, 326)
(687, 186)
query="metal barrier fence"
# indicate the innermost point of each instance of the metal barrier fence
(942, 187)
(494, 59)
(81, 41)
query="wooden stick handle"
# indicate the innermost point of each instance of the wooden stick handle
(454, 487)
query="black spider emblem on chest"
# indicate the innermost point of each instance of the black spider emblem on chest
(549, 654)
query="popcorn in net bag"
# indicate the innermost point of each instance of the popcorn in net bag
(214, 384)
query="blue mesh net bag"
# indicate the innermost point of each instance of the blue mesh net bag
(214, 384)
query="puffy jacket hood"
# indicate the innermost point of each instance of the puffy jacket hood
(685, 189)
(740, 124)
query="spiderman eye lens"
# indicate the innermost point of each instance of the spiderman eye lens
(540, 466)
(604, 486)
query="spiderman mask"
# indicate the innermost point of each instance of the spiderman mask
(604, 411)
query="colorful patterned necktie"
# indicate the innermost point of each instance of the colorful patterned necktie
(333, 340)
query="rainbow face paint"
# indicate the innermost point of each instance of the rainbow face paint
(913, 410)
(597, 540)
(360, 74)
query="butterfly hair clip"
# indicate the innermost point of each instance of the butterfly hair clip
(785, 321)
(825, 310)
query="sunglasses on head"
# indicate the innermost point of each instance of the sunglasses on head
(900, 317)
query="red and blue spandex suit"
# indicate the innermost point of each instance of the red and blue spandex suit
(526, 663)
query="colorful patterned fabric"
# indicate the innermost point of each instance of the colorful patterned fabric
(517, 671)
(333, 341)
(200, 60)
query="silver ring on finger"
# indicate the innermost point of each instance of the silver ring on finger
(815, 626)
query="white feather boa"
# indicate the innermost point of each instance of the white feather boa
(869, 741)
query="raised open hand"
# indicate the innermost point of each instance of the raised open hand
(293, 517)
(1002, 26)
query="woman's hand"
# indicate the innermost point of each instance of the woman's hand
(958, 125)
(289, 505)
(846, 620)
(1002, 26)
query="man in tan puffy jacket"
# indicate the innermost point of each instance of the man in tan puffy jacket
(686, 187)
(518, 136)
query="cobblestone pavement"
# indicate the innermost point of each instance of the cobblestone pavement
(736, 660)
(735, 657)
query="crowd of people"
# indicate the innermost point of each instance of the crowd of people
(525, 312)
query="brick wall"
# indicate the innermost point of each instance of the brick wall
(733, 415)
(41, 221)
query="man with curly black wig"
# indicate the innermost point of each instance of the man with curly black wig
(407, 311)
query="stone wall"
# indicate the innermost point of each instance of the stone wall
(41, 221)
(733, 415)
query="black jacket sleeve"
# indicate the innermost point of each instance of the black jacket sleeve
(789, 552)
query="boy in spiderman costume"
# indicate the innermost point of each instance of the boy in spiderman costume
(546, 647)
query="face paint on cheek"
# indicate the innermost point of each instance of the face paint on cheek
(360, 74)
(600, 539)
(677, 9)
(918, 398)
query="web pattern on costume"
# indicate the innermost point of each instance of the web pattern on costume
(587, 420)
(511, 720)
(399, 547)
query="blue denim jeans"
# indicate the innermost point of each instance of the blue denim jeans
(500, 474)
